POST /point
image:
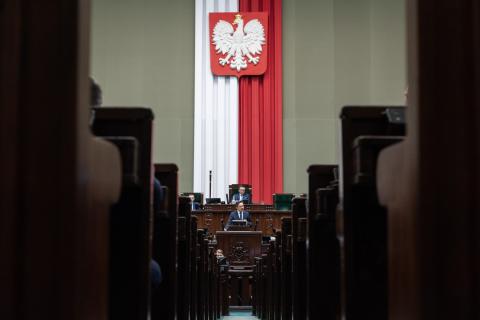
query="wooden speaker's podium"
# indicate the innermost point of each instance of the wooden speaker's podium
(241, 246)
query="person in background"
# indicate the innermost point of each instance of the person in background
(95, 94)
(157, 195)
(155, 269)
(221, 259)
(219, 254)
(241, 196)
(195, 205)
(95, 99)
(155, 274)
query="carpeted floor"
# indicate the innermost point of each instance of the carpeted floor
(240, 315)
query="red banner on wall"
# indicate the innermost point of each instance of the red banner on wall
(238, 43)
(260, 150)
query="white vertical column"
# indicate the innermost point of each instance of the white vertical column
(216, 111)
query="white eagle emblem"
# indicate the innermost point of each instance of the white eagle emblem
(237, 44)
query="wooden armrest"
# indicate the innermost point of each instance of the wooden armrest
(389, 171)
(366, 150)
(105, 174)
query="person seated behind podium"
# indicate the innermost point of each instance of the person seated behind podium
(221, 260)
(239, 214)
(195, 205)
(241, 196)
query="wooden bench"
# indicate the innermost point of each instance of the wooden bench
(164, 249)
(202, 282)
(299, 258)
(256, 287)
(324, 257)
(268, 274)
(361, 225)
(130, 218)
(219, 296)
(286, 273)
(323, 268)
(58, 181)
(183, 258)
(261, 282)
(277, 296)
(430, 182)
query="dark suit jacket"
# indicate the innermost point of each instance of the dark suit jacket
(236, 198)
(196, 206)
(234, 215)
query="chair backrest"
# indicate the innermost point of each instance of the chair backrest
(198, 196)
(233, 188)
(213, 200)
(282, 201)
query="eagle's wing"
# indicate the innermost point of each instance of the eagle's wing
(254, 37)
(222, 36)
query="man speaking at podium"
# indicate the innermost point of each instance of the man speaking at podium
(240, 214)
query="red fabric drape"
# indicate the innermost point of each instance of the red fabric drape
(260, 128)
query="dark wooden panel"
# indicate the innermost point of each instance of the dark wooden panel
(131, 217)
(202, 267)
(183, 258)
(270, 277)
(286, 268)
(360, 121)
(323, 287)
(299, 258)
(239, 288)
(365, 154)
(219, 295)
(240, 247)
(10, 124)
(164, 249)
(58, 182)
(193, 281)
(430, 182)
(323, 265)
(277, 290)
(319, 176)
(362, 223)
(129, 154)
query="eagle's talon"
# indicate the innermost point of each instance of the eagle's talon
(254, 60)
(223, 61)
